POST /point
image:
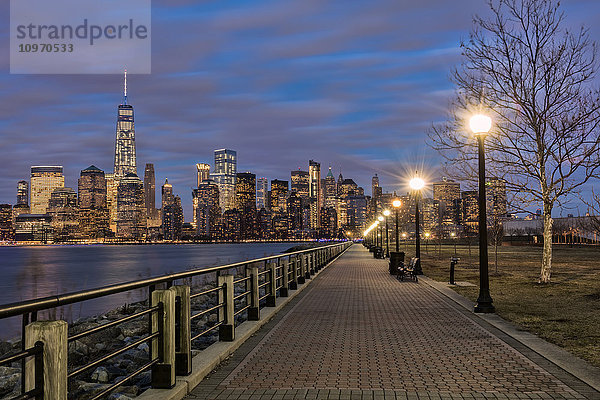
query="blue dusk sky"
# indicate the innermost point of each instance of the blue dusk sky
(351, 84)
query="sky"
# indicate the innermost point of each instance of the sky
(354, 85)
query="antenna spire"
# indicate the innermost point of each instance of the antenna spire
(125, 91)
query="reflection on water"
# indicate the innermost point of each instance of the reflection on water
(40, 271)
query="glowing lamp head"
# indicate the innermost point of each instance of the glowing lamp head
(396, 203)
(386, 213)
(417, 183)
(427, 234)
(380, 218)
(404, 235)
(480, 124)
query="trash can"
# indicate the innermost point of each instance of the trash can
(396, 261)
(378, 252)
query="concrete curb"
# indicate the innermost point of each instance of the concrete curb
(577, 367)
(208, 359)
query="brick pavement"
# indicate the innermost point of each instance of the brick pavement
(357, 333)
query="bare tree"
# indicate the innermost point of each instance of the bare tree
(533, 77)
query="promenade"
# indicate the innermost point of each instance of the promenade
(358, 333)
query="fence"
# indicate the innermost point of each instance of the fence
(239, 292)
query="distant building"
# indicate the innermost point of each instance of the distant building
(470, 212)
(172, 219)
(131, 213)
(125, 155)
(330, 190)
(294, 211)
(44, 179)
(93, 214)
(329, 227)
(447, 192)
(33, 228)
(23, 193)
(265, 225)
(376, 192)
(314, 192)
(207, 211)
(6, 222)
(356, 213)
(202, 173)
(300, 183)
(279, 194)
(262, 193)
(112, 186)
(167, 197)
(150, 193)
(224, 175)
(495, 194)
(231, 225)
(62, 206)
(245, 203)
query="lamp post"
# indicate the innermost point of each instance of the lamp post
(481, 125)
(380, 219)
(386, 214)
(397, 204)
(417, 184)
(453, 236)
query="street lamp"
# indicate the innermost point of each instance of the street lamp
(480, 125)
(386, 214)
(453, 236)
(397, 204)
(427, 242)
(417, 184)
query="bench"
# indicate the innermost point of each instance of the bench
(409, 270)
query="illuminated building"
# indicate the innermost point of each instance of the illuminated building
(202, 173)
(314, 192)
(279, 193)
(6, 222)
(300, 183)
(131, 213)
(23, 193)
(62, 206)
(447, 192)
(245, 203)
(224, 175)
(231, 225)
(93, 214)
(345, 188)
(44, 179)
(495, 194)
(150, 194)
(356, 208)
(172, 219)
(33, 227)
(376, 192)
(125, 158)
(167, 197)
(262, 193)
(208, 211)
(330, 190)
(265, 225)
(470, 212)
(294, 211)
(328, 222)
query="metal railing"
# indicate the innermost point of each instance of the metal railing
(178, 320)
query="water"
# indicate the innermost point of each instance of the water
(40, 271)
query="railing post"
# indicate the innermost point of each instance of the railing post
(252, 286)
(294, 283)
(285, 278)
(163, 372)
(271, 302)
(53, 335)
(311, 263)
(226, 313)
(183, 330)
(301, 266)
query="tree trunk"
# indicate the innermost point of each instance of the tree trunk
(547, 253)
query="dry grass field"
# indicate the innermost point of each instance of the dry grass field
(565, 312)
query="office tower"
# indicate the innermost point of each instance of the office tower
(6, 222)
(44, 179)
(167, 194)
(279, 194)
(202, 173)
(62, 206)
(495, 194)
(447, 192)
(231, 224)
(112, 186)
(314, 191)
(131, 213)
(300, 183)
(23, 193)
(330, 190)
(207, 210)
(125, 159)
(245, 203)
(328, 222)
(470, 211)
(265, 224)
(34, 227)
(262, 193)
(93, 214)
(150, 192)
(224, 175)
(356, 213)
(172, 219)
(294, 211)
(376, 192)
(345, 189)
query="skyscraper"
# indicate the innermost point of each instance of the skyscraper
(330, 190)
(62, 206)
(202, 173)
(23, 193)
(495, 193)
(224, 175)
(448, 193)
(44, 179)
(207, 211)
(245, 203)
(6, 222)
(93, 214)
(150, 192)
(167, 194)
(125, 159)
(279, 194)
(262, 193)
(131, 214)
(314, 192)
(172, 219)
(300, 183)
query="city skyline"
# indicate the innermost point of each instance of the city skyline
(358, 96)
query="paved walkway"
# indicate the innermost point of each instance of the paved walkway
(357, 333)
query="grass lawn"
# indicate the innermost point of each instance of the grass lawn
(565, 312)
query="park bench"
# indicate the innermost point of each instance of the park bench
(408, 270)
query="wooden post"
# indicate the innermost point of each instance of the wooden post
(53, 334)
(271, 302)
(163, 372)
(252, 286)
(294, 282)
(285, 278)
(226, 313)
(183, 330)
